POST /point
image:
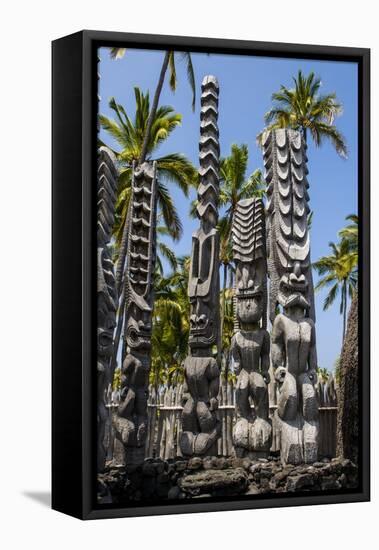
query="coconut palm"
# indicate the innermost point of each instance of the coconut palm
(169, 62)
(304, 108)
(323, 374)
(350, 232)
(172, 168)
(339, 272)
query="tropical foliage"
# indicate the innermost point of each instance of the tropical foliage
(169, 62)
(323, 374)
(339, 270)
(173, 168)
(304, 108)
(170, 325)
(350, 233)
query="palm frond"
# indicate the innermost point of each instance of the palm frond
(186, 56)
(331, 296)
(117, 53)
(167, 253)
(171, 64)
(169, 212)
(113, 129)
(302, 107)
(178, 169)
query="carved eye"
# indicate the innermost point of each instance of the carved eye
(202, 320)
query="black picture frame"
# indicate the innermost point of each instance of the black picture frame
(74, 133)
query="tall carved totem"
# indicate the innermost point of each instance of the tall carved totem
(107, 178)
(293, 350)
(200, 424)
(131, 420)
(250, 347)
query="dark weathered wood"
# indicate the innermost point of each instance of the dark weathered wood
(348, 410)
(165, 420)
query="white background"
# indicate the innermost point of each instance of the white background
(27, 29)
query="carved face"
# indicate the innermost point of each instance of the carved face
(138, 333)
(250, 276)
(293, 286)
(249, 308)
(202, 325)
(201, 290)
(250, 291)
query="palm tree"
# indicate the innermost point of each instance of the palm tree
(350, 232)
(174, 168)
(169, 62)
(323, 374)
(338, 271)
(304, 108)
(234, 187)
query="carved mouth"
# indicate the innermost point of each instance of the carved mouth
(197, 340)
(294, 283)
(138, 338)
(242, 294)
(199, 325)
(296, 299)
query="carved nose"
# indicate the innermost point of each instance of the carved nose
(297, 269)
(202, 319)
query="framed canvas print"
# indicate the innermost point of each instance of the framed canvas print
(210, 275)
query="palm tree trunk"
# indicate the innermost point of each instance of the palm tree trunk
(121, 295)
(122, 255)
(222, 313)
(154, 108)
(116, 341)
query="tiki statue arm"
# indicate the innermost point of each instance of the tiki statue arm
(234, 349)
(186, 393)
(312, 357)
(265, 357)
(214, 384)
(278, 351)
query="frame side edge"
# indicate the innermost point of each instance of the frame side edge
(66, 275)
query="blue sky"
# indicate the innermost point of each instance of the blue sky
(246, 85)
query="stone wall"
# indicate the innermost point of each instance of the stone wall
(214, 477)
